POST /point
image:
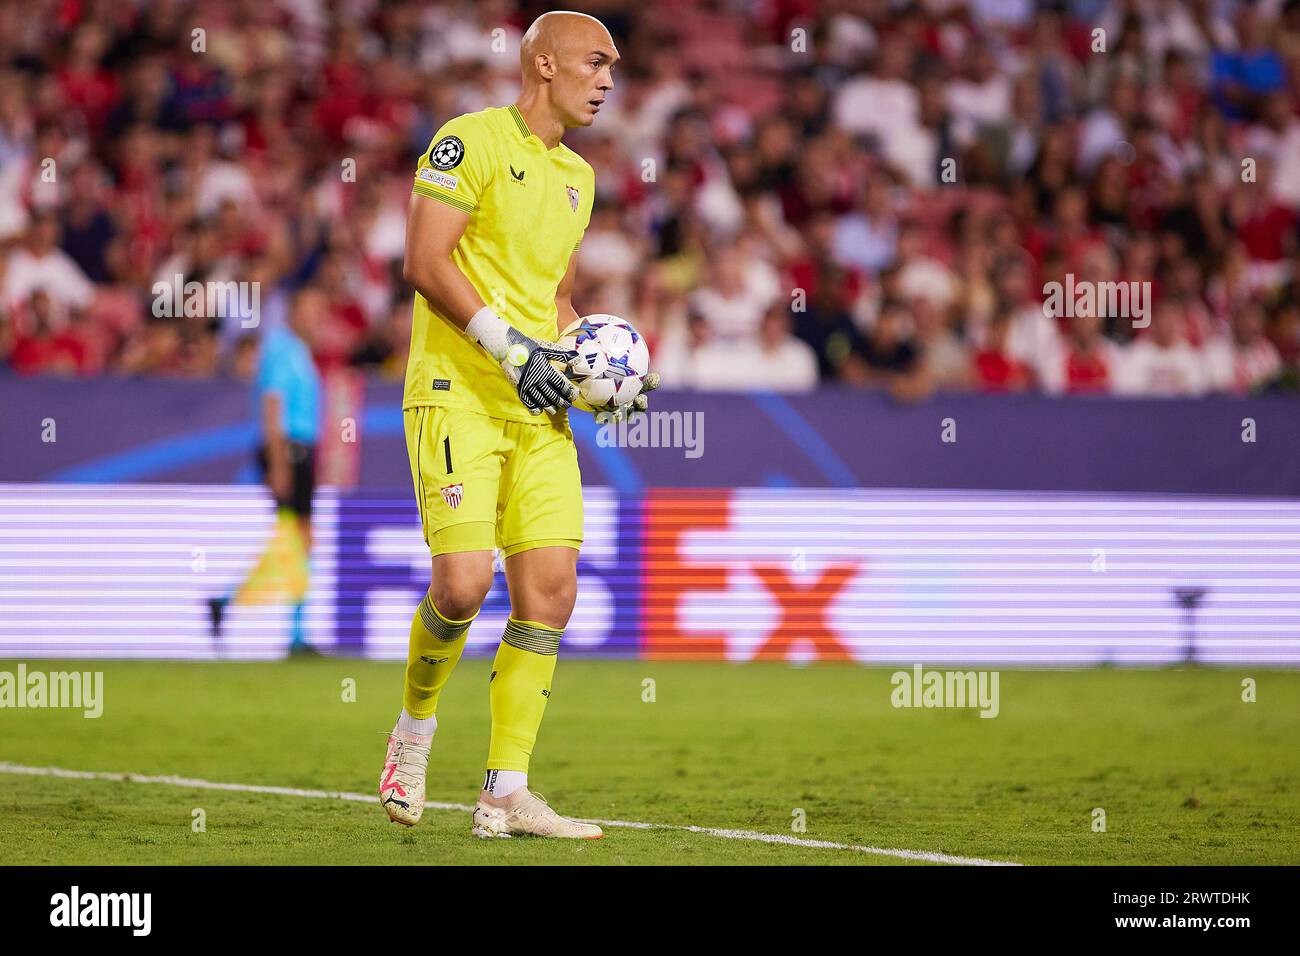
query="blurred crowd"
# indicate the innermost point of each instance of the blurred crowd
(789, 191)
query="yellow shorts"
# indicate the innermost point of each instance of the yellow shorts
(485, 482)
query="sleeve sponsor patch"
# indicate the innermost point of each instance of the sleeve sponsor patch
(447, 153)
(438, 179)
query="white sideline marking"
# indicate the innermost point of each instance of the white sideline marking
(749, 835)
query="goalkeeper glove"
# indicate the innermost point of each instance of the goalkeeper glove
(638, 404)
(526, 362)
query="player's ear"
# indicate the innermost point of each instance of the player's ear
(545, 68)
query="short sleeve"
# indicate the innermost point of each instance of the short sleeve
(272, 371)
(455, 169)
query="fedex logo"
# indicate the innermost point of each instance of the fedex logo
(720, 581)
(676, 574)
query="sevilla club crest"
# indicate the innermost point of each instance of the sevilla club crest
(573, 197)
(452, 494)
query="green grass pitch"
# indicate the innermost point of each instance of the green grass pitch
(1186, 772)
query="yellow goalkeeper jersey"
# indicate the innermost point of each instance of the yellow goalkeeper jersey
(528, 207)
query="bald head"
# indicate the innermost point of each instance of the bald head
(567, 61)
(554, 33)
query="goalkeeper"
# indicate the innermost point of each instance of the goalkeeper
(498, 210)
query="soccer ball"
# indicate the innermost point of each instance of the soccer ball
(610, 363)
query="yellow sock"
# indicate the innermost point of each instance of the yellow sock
(436, 645)
(521, 685)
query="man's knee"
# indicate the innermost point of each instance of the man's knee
(459, 599)
(562, 595)
(459, 584)
(549, 596)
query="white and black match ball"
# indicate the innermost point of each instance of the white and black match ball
(611, 361)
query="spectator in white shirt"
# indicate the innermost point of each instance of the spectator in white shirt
(868, 239)
(885, 101)
(1255, 361)
(774, 360)
(732, 303)
(981, 97)
(1033, 335)
(921, 274)
(1105, 129)
(945, 358)
(608, 250)
(1163, 363)
(41, 264)
(212, 179)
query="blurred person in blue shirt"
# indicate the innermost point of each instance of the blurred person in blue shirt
(1241, 78)
(287, 399)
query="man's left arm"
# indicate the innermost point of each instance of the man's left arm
(565, 313)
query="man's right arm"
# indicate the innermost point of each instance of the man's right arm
(432, 231)
(279, 469)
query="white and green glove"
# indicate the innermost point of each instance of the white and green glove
(526, 362)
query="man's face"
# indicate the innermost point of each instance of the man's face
(1167, 329)
(889, 326)
(1086, 326)
(775, 327)
(584, 73)
(310, 311)
(45, 234)
(1248, 324)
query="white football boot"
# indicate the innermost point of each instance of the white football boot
(401, 784)
(524, 813)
